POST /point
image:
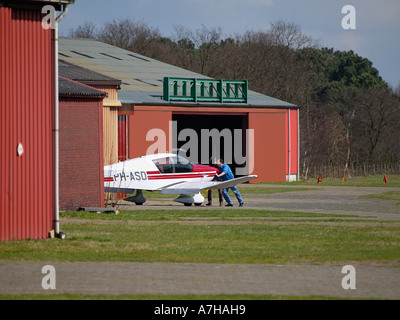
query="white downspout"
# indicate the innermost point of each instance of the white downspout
(290, 146)
(57, 128)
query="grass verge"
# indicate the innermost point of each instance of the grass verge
(146, 237)
(367, 181)
(391, 195)
(178, 215)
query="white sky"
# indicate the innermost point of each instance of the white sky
(376, 37)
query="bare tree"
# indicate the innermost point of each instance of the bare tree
(290, 35)
(128, 34)
(87, 30)
(203, 43)
(379, 113)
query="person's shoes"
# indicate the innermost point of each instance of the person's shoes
(229, 205)
(209, 204)
(241, 205)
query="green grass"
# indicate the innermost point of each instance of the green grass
(179, 215)
(367, 181)
(391, 195)
(134, 239)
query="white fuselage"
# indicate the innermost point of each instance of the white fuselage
(153, 172)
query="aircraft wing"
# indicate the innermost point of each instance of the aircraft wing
(194, 187)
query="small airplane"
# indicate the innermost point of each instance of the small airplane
(165, 172)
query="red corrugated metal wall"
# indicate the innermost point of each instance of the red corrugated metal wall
(27, 104)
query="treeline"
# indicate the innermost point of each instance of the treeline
(348, 113)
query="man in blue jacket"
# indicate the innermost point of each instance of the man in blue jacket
(225, 173)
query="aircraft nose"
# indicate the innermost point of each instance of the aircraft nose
(203, 168)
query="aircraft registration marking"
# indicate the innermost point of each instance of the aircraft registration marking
(132, 176)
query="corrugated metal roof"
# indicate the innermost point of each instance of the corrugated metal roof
(142, 77)
(156, 98)
(71, 88)
(77, 73)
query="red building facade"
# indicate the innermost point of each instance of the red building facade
(27, 106)
(81, 146)
(275, 130)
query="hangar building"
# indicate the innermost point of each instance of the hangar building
(158, 96)
(27, 121)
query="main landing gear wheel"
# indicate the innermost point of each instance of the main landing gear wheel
(138, 198)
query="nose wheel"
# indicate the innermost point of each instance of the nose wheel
(188, 201)
(190, 204)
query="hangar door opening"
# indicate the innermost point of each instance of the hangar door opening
(199, 137)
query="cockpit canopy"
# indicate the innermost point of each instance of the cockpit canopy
(173, 164)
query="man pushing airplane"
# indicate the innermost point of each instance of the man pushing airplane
(226, 174)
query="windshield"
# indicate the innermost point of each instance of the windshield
(173, 164)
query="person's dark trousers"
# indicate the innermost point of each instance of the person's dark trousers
(220, 197)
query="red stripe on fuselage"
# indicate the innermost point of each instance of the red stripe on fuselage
(153, 172)
(169, 176)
